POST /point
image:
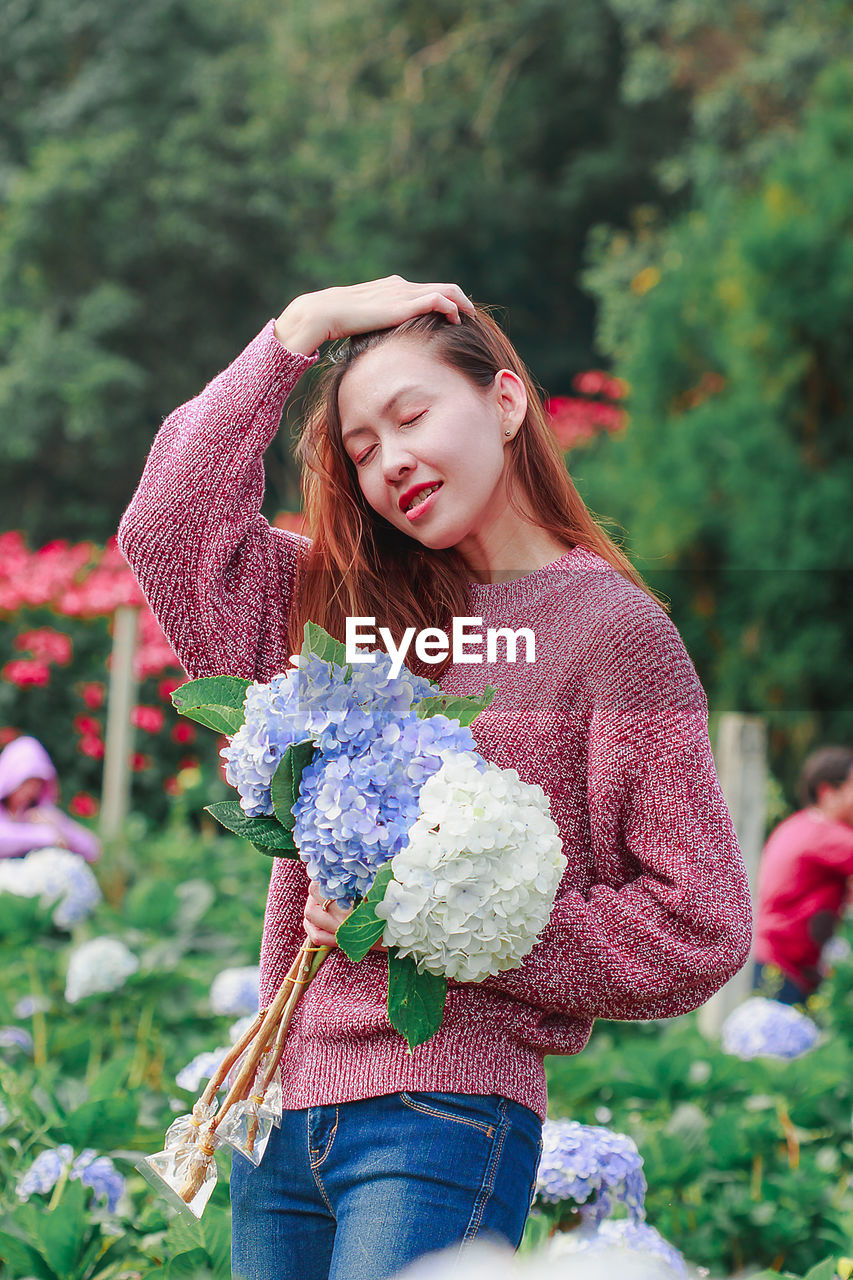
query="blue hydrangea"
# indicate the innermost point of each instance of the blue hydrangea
(355, 810)
(339, 710)
(591, 1166)
(762, 1028)
(97, 1172)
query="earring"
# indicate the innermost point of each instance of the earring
(507, 433)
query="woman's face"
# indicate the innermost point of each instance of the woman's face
(410, 422)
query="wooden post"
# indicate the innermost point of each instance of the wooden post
(115, 793)
(741, 760)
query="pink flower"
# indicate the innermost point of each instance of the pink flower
(93, 695)
(8, 734)
(87, 724)
(183, 733)
(26, 671)
(91, 746)
(46, 643)
(140, 762)
(83, 805)
(150, 719)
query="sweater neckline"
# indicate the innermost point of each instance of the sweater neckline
(520, 590)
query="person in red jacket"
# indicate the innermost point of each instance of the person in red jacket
(803, 878)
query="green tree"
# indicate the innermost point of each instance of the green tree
(173, 174)
(734, 475)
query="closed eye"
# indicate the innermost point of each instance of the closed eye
(409, 421)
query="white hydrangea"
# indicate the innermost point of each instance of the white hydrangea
(475, 884)
(53, 876)
(98, 966)
(236, 991)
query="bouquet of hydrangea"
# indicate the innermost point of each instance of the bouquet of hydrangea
(373, 780)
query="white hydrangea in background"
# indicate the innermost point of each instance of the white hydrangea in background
(762, 1028)
(475, 884)
(98, 966)
(238, 1028)
(236, 991)
(53, 876)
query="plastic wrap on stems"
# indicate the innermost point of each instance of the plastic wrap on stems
(185, 1173)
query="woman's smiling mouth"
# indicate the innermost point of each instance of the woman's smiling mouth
(413, 503)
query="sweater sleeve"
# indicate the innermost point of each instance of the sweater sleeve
(669, 920)
(217, 575)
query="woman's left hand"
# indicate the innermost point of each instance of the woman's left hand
(322, 918)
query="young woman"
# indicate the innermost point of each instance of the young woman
(434, 490)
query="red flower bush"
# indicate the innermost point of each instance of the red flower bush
(149, 719)
(24, 671)
(83, 805)
(47, 644)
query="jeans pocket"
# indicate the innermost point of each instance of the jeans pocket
(478, 1111)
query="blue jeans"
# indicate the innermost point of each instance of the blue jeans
(355, 1191)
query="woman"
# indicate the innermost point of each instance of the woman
(29, 817)
(384, 1155)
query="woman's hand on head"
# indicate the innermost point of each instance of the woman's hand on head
(344, 310)
(321, 921)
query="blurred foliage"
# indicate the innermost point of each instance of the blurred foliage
(174, 175)
(734, 476)
(747, 1162)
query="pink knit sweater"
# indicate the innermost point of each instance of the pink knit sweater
(653, 914)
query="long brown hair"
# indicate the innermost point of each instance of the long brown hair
(359, 564)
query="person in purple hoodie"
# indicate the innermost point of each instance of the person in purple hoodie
(29, 817)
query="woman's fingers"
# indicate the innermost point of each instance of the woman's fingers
(321, 921)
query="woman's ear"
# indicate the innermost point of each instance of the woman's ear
(511, 398)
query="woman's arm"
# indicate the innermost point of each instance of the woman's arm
(670, 920)
(217, 576)
(213, 570)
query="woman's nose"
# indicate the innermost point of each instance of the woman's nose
(396, 462)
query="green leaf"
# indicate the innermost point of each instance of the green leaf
(823, 1271)
(187, 1266)
(266, 834)
(214, 701)
(61, 1232)
(415, 1000)
(103, 1122)
(23, 1257)
(362, 926)
(319, 644)
(286, 780)
(465, 709)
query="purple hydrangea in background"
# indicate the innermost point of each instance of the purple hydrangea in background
(97, 1172)
(582, 1161)
(236, 991)
(624, 1233)
(762, 1028)
(16, 1038)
